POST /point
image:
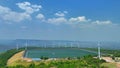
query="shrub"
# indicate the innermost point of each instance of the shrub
(44, 58)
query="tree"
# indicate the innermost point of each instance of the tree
(44, 58)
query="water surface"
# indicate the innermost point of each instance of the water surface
(58, 53)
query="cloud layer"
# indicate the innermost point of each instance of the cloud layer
(61, 14)
(107, 22)
(8, 15)
(28, 7)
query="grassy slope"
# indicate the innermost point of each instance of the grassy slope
(18, 60)
(109, 65)
(6, 55)
(15, 58)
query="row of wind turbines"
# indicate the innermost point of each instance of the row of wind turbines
(45, 46)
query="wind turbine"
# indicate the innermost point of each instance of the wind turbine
(59, 44)
(53, 44)
(99, 54)
(71, 44)
(17, 46)
(26, 53)
(26, 45)
(65, 44)
(78, 44)
(75, 43)
(45, 45)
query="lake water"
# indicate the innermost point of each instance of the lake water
(57, 53)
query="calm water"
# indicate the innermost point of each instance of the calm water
(57, 53)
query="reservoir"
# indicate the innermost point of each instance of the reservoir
(57, 53)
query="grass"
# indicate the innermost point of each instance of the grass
(109, 65)
(18, 59)
(15, 58)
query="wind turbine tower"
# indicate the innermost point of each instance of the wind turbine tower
(17, 47)
(99, 54)
(45, 46)
(78, 44)
(26, 45)
(71, 44)
(26, 53)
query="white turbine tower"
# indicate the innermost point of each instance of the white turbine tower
(17, 46)
(45, 45)
(78, 44)
(59, 44)
(26, 45)
(53, 44)
(65, 45)
(26, 54)
(71, 44)
(99, 54)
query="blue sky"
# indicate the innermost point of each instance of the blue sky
(84, 20)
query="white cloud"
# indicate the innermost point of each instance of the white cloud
(57, 20)
(61, 14)
(107, 22)
(40, 17)
(78, 19)
(6, 14)
(16, 17)
(28, 7)
(4, 10)
(70, 21)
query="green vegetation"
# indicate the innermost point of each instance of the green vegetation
(78, 62)
(109, 65)
(84, 62)
(44, 58)
(6, 55)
